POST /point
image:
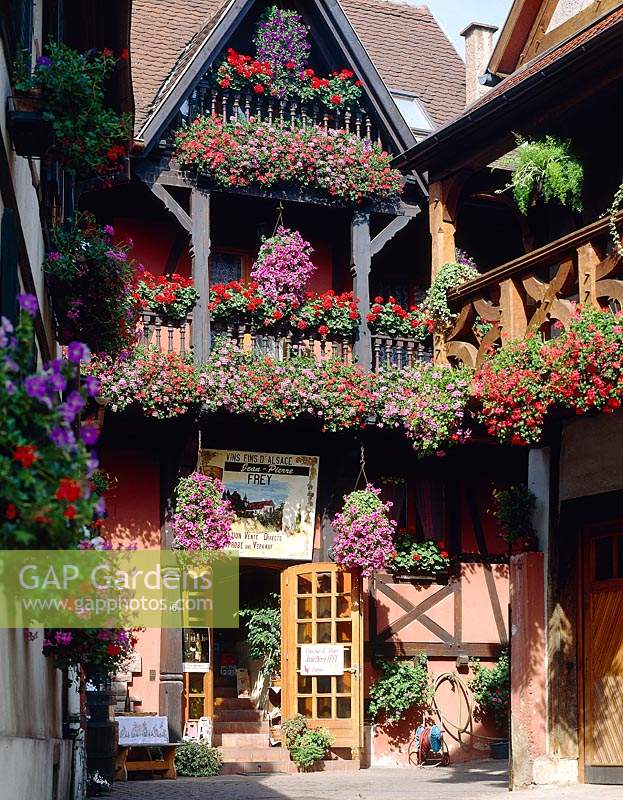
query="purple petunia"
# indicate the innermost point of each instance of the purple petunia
(44, 62)
(37, 386)
(89, 433)
(77, 352)
(92, 386)
(28, 303)
(62, 437)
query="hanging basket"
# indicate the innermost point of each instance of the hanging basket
(30, 132)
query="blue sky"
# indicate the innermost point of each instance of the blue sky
(454, 15)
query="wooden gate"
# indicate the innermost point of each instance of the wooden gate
(603, 654)
(321, 604)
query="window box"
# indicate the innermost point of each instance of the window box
(30, 132)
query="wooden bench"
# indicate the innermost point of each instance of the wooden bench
(138, 736)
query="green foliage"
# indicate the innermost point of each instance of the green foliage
(89, 137)
(513, 509)
(450, 275)
(424, 557)
(614, 209)
(547, 167)
(197, 760)
(306, 747)
(263, 627)
(491, 688)
(402, 685)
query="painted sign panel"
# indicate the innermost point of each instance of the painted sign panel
(273, 496)
(322, 659)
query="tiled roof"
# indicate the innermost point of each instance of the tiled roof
(549, 57)
(405, 42)
(411, 52)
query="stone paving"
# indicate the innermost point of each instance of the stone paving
(479, 781)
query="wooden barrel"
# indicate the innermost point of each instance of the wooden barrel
(102, 733)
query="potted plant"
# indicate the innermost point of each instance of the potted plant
(171, 297)
(422, 560)
(263, 627)
(363, 532)
(388, 318)
(401, 685)
(307, 746)
(203, 518)
(513, 508)
(59, 110)
(546, 168)
(91, 283)
(491, 690)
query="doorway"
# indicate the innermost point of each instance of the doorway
(603, 653)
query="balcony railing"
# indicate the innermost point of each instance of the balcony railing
(164, 335)
(398, 352)
(532, 293)
(231, 106)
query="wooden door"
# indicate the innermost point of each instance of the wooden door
(321, 604)
(603, 655)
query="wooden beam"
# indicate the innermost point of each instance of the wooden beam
(172, 206)
(388, 233)
(361, 261)
(200, 252)
(434, 649)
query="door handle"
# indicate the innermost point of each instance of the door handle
(353, 670)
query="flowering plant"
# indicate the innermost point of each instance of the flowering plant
(281, 39)
(328, 313)
(283, 267)
(260, 154)
(170, 296)
(240, 72)
(363, 532)
(91, 281)
(202, 518)
(427, 402)
(46, 497)
(425, 557)
(401, 685)
(240, 302)
(103, 651)
(389, 318)
(449, 276)
(491, 688)
(513, 508)
(163, 385)
(88, 137)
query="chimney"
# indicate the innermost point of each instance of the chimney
(478, 49)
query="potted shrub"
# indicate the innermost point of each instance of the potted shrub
(171, 297)
(59, 110)
(388, 318)
(307, 746)
(491, 690)
(422, 560)
(197, 760)
(513, 508)
(203, 518)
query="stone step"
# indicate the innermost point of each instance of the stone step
(233, 702)
(240, 727)
(267, 753)
(236, 715)
(225, 691)
(257, 767)
(247, 740)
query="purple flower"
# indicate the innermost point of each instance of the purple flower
(117, 255)
(109, 230)
(92, 386)
(100, 507)
(44, 62)
(10, 387)
(57, 382)
(89, 433)
(63, 637)
(77, 352)
(73, 404)
(54, 256)
(28, 303)
(62, 437)
(36, 386)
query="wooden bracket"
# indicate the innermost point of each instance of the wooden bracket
(388, 233)
(158, 187)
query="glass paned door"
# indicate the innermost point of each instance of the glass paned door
(321, 611)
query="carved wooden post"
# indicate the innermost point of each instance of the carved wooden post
(200, 250)
(361, 260)
(513, 320)
(588, 260)
(442, 226)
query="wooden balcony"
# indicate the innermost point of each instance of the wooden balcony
(164, 335)
(533, 293)
(232, 106)
(398, 352)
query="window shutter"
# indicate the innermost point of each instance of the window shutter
(9, 284)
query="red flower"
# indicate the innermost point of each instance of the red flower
(277, 314)
(416, 557)
(258, 88)
(107, 52)
(124, 55)
(290, 64)
(11, 511)
(224, 83)
(378, 300)
(70, 512)
(444, 554)
(68, 489)
(26, 454)
(336, 99)
(323, 330)
(441, 544)
(113, 649)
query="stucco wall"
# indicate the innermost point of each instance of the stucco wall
(591, 457)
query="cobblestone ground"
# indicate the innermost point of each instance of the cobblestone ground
(474, 782)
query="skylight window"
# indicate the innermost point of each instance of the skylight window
(413, 112)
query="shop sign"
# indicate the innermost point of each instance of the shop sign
(322, 659)
(273, 496)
